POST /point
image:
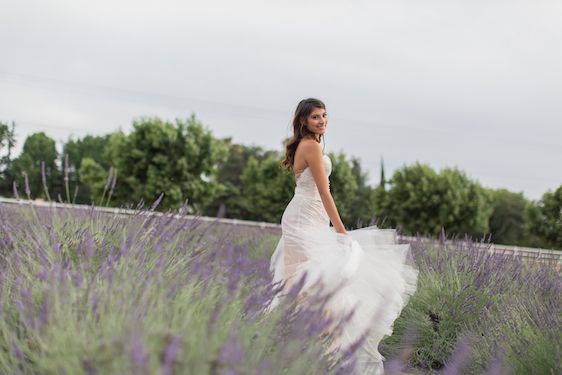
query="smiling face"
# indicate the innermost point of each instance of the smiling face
(317, 121)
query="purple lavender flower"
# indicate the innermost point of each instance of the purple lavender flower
(139, 357)
(459, 359)
(43, 313)
(231, 352)
(170, 354)
(18, 353)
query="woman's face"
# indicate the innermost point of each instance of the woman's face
(317, 122)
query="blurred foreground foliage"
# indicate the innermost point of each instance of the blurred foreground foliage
(88, 292)
(83, 291)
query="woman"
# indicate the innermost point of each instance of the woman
(368, 271)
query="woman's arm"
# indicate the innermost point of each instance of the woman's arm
(312, 153)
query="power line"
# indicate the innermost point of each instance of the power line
(35, 125)
(131, 92)
(247, 111)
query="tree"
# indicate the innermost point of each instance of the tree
(266, 189)
(228, 203)
(466, 208)
(93, 178)
(38, 149)
(382, 182)
(7, 142)
(362, 205)
(423, 201)
(413, 200)
(544, 220)
(344, 187)
(177, 159)
(92, 148)
(378, 199)
(507, 221)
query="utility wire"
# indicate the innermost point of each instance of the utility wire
(131, 92)
(247, 111)
(241, 111)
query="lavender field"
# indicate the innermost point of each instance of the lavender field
(86, 292)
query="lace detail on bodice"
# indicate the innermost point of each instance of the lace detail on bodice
(305, 181)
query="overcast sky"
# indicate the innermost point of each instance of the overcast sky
(472, 84)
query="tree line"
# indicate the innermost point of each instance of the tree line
(181, 164)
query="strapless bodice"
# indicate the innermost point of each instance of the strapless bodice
(306, 187)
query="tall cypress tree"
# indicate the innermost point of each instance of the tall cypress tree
(382, 183)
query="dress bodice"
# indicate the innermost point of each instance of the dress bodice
(306, 186)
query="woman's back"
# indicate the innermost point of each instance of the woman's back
(300, 163)
(305, 184)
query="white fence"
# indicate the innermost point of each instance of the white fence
(127, 212)
(526, 252)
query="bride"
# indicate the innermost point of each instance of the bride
(368, 271)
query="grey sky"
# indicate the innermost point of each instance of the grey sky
(473, 84)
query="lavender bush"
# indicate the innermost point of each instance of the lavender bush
(85, 292)
(479, 312)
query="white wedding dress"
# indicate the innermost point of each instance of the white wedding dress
(369, 272)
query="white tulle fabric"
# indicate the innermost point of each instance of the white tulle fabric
(369, 272)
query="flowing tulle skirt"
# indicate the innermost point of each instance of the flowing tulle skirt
(368, 270)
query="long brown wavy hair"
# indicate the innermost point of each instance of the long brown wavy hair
(304, 108)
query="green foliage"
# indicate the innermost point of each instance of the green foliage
(37, 148)
(530, 340)
(544, 220)
(93, 178)
(345, 188)
(413, 200)
(7, 143)
(363, 209)
(93, 147)
(421, 200)
(499, 303)
(379, 199)
(90, 147)
(266, 189)
(467, 207)
(178, 159)
(228, 203)
(507, 222)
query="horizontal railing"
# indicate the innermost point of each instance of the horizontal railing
(128, 212)
(526, 252)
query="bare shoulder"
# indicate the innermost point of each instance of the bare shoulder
(310, 146)
(311, 152)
